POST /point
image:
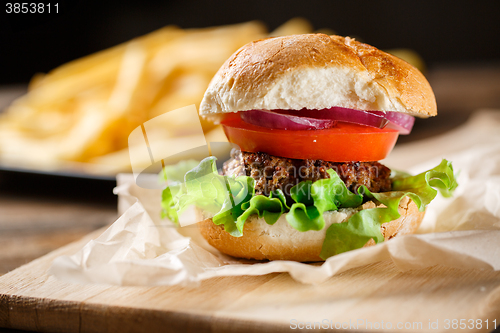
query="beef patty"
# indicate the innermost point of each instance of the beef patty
(272, 172)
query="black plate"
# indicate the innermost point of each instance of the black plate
(59, 185)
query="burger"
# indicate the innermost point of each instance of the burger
(311, 116)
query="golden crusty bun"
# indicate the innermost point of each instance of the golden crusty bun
(280, 241)
(317, 71)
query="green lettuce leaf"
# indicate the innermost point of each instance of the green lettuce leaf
(168, 204)
(365, 225)
(303, 215)
(270, 208)
(176, 172)
(218, 195)
(232, 201)
(313, 199)
(240, 191)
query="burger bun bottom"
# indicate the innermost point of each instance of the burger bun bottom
(281, 241)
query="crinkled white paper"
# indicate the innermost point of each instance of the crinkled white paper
(463, 232)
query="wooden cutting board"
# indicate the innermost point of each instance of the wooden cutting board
(376, 297)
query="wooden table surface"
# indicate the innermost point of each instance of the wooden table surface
(41, 214)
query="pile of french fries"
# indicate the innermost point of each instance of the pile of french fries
(78, 117)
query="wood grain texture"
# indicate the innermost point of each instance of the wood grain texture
(33, 227)
(31, 300)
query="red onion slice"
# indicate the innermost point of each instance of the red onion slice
(326, 118)
(396, 120)
(400, 121)
(347, 115)
(276, 120)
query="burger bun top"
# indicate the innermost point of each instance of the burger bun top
(317, 71)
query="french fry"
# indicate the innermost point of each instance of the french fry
(105, 61)
(294, 26)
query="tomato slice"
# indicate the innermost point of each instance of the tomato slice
(344, 143)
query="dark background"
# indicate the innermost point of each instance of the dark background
(440, 31)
